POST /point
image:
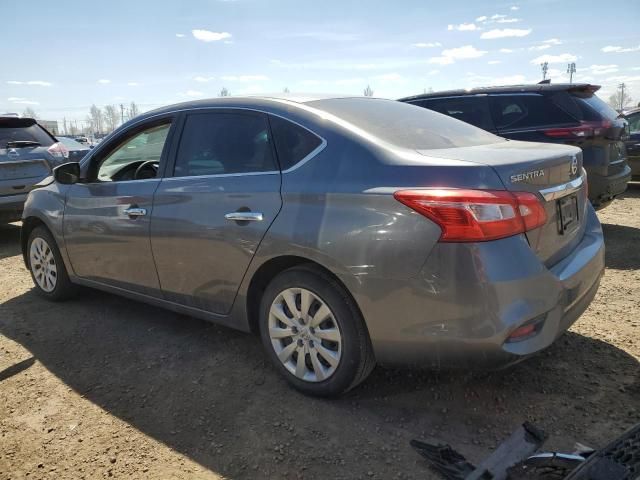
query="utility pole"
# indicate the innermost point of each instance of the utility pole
(121, 113)
(622, 86)
(571, 69)
(545, 69)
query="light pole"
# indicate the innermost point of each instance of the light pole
(571, 69)
(622, 86)
(545, 69)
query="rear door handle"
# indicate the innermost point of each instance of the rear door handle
(135, 212)
(244, 216)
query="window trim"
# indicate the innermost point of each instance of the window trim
(308, 156)
(95, 158)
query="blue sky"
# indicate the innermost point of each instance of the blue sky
(61, 57)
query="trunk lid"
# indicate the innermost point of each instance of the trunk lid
(553, 172)
(21, 169)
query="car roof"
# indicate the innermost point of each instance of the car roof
(631, 110)
(267, 102)
(537, 87)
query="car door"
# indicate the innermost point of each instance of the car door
(107, 217)
(211, 214)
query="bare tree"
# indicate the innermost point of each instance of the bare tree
(111, 117)
(224, 92)
(96, 119)
(621, 99)
(29, 112)
(134, 111)
(368, 92)
(286, 90)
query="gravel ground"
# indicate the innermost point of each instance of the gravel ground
(101, 386)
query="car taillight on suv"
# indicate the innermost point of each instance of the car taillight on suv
(584, 130)
(476, 215)
(58, 151)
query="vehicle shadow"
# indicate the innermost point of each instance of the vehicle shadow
(9, 240)
(207, 392)
(621, 243)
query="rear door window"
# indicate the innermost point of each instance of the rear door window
(634, 122)
(293, 142)
(19, 129)
(224, 143)
(471, 109)
(527, 111)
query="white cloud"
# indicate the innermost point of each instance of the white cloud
(22, 101)
(450, 55)
(494, 62)
(200, 78)
(635, 68)
(482, 18)
(180, 35)
(562, 58)
(192, 93)
(390, 78)
(209, 36)
(552, 41)
(463, 27)
(427, 45)
(602, 69)
(133, 84)
(433, 72)
(514, 8)
(508, 20)
(623, 78)
(104, 81)
(244, 78)
(478, 80)
(506, 32)
(537, 48)
(506, 50)
(38, 83)
(617, 49)
(497, 16)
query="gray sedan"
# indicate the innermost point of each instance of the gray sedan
(343, 231)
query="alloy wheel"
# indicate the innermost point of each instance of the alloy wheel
(305, 334)
(43, 264)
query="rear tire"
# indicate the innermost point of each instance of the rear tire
(47, 267)
(320, 345)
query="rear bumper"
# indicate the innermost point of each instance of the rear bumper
(471, 297)
(11, 207)
(603, 189)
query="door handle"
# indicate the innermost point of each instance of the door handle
(244, 216)
(135, 212)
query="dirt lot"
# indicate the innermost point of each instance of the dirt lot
(106, 387)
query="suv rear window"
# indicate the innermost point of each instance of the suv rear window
(23, 129)
(527, 111)
(593, 108)
(471, 109)
(405, 125)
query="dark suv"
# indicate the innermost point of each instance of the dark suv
(28, 152)
(554, 113)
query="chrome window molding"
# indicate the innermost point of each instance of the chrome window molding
(294, 167)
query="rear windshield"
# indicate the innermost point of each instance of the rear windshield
(405, 125)
(22, 129)
(593, 108)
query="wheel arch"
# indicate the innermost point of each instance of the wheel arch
(28, 225)
(269, 270)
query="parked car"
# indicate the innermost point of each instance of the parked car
(27, 154)
(76, 149)
(346, 231)
(633, 143)
(569, 114)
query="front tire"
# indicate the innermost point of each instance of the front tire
(313, 332)
(46, 266)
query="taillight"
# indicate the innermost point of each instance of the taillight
(476, 215)
(584, 130)
(59, 151)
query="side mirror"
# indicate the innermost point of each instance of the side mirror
(67, 173)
